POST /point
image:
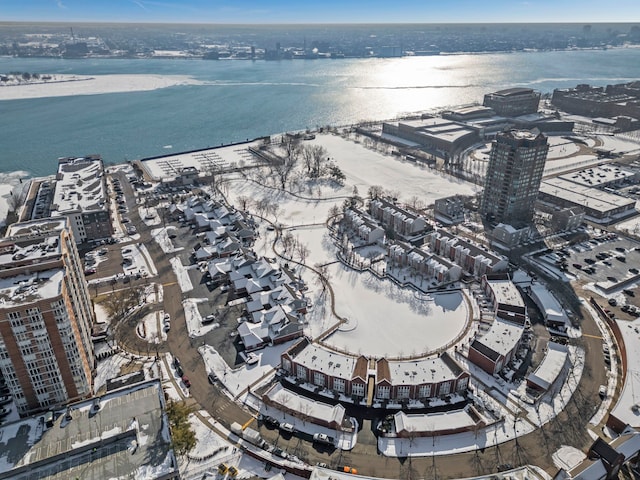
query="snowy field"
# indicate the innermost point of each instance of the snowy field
(364, 167)
(161, 235)
(386, 320)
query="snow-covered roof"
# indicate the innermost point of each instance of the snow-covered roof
(433, 422)
(319, 358)
(506, 293)
(424, 371)
(127, 437)
(547, 302)
(502, 337)
(310, 408)
(551, 366)
(630, 394)
(79, 185)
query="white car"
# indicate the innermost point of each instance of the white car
(602, 391)
(252, 359)
(287, 427)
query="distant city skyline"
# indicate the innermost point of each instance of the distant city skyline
(327, 11)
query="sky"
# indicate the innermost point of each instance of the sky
(325, 11)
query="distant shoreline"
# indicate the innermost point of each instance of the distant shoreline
(70, 85)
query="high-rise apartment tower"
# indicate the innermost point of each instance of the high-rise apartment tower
(46, 353)
(516, 164)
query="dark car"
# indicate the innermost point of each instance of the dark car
(272, 422)
(176, 362)
(179, 371)
(186, 381)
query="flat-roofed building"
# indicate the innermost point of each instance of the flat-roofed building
(513, 102)
(80, 194)
(550, 370)
(46, 352)
(403, 221)
(449, 210)
(393, 380)
(554, 315)
(598, 205)
(446, 137)
(495, 348)
(122, 434)
(516, 165)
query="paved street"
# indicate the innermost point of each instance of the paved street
(536, 448)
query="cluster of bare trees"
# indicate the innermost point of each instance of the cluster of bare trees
(292, 247)
(120, 302)
(315, 162)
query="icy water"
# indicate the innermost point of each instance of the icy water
(247, 99)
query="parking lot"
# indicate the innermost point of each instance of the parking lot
(608, 266)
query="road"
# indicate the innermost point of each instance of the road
(568, 428)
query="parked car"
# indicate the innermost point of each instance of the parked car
(252, 359)
(208, 319)
(287, 427)
(212, 378)
(323, 438)
(176, 362)
(5, 399)
(271, 421)
(602, 391)
(179, 371)
(186, 381)
(4, 412)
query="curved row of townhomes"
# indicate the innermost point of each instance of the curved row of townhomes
(356, 378)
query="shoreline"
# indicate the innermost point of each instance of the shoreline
(71, 85)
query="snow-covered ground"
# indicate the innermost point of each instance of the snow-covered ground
(237, 380)
(161, 235)
(147, 329)
(386, 320)
(71, 85)
(182, 274)
(567, 457)
(364, 167)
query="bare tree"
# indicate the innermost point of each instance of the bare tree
(375, 191)
(17, 197)
(244, 202)
(120, 302)
(290, 145)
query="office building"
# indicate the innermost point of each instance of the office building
(46, 353)
(516, 164)
(513, 102)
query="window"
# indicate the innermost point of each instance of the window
(318, 379)
(338, 385)
(403, 391)
(445, 388)
(301, 372)
(286, 364)
(383, 391)
(463, 383)
(357, 389)
(424, 391)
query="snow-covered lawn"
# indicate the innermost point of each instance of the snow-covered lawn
(111, 367)
(390, 320)
(364, 167)
(149, 216)
(560, 147)
(147, 329)
(194, 319)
